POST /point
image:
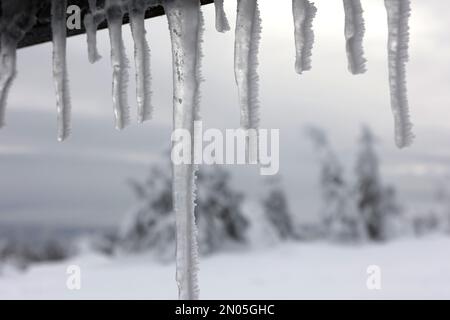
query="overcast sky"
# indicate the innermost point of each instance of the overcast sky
(82, 181)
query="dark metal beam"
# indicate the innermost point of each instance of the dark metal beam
(42, 32)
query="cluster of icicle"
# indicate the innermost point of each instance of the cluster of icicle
(398, 12)
(18, 17)
(113, 12)
(186, 27)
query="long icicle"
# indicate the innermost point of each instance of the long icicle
(63, 104)
(304, 13)
(142, 59)
(247, 38)
(91, 21)
(18, 17)
(354, 36)
(186, 27)
(398, 12)
(119, 61)
(222, 24)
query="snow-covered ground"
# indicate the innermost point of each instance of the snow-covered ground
(410, 269)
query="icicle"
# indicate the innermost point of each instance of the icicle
(63, 104)
(7, 72)
(354, 35)
(222, 24)
(186, 26)
(304, 13)
(142, 59)
(119, 61)
(248, 35)
(398, 12)
(91, 23)
(18, 17)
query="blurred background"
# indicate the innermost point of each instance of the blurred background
(345, 197)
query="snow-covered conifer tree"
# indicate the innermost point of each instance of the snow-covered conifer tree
(338, 212)
(150, 226)
(376, 203)
(220, 219)
(276, 209)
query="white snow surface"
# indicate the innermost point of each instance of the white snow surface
(410, 269)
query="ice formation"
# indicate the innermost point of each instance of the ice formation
(398, 12)
(91, 21)
(222, 24)
(142, 59)
(119, 61)
(18, 17)
(63, 104)
(186, 27)
(247, 37)
(304, 13)
(248, 28)
(354, 35)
